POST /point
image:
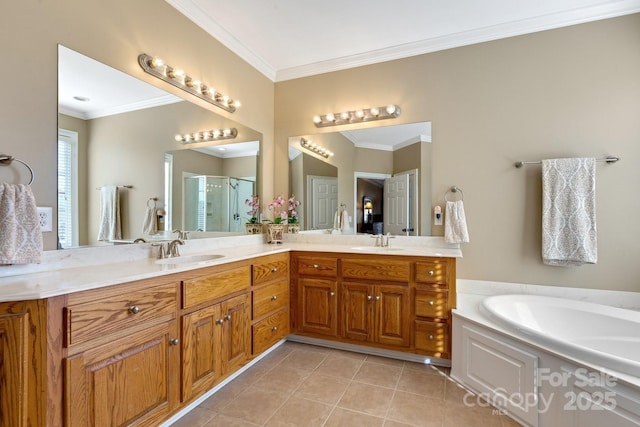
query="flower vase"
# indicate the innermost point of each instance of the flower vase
(293, 228)
(275, 233)
(253, 228)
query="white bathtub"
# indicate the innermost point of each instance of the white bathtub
(605, 336)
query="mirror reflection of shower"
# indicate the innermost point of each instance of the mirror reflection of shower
(216, 203)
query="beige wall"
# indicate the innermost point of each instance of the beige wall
(573, 91)
(115, 33)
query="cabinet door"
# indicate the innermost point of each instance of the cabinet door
(319, 306)
(13, 370)
(392, 315)
(132, 380)
(357, 312)
(236, 330)
(201, 355)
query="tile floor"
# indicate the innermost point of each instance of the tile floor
(303, 385)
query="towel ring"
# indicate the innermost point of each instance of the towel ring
(453, 189)
(5, 160)
(152, 199)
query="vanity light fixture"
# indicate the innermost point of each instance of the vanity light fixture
(157, 68)
(207, 135)
(318, 149)
(357, 116)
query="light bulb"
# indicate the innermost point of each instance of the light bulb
(330, 117)
(317, 119)
(345, 115)
(391, 109)
(179, 138)
(375, 111)
(156, 62)
(237, 103)
(359, 114)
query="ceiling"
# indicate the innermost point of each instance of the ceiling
(287, 39)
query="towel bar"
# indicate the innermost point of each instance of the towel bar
(609, 159)
(5, 160)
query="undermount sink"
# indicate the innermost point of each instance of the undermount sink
(376, 249)
(189, 259)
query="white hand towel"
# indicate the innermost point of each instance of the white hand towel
(455, 223)
(569, 212)
(20, 231)
(150, 224)
(110, 228)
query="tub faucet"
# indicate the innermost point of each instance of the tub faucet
(172, 248)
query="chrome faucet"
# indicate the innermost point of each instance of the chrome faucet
(182, 235)
(172, 248)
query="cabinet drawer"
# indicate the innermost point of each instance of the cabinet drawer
(213, 286)
(269, 299)
(435, 271)
(273, 268)
(115, 311)
(431, 304)
(376, 269)
(432, 337)
(270, 330)
(317, 266)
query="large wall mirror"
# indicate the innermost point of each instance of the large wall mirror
(117, 131)
(377, 181)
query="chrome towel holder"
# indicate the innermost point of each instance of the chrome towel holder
(453, 190)
(5, 160)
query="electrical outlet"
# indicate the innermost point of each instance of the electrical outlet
(45, 216)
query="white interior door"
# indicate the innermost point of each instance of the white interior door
(396, 204)
(324, 201)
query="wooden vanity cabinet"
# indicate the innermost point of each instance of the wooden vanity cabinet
(269, 301)
(375, 301)
(400, 303)
(434, 297)
(314, 291)
(14, 353)
(123, 354)
(215, 326)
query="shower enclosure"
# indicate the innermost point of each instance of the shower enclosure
(216, 203)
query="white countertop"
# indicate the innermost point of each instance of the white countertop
(66, 271)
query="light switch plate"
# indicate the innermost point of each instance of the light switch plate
(45, 216)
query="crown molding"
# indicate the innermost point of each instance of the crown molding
(511, 29)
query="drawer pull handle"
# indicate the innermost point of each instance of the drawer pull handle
(377, 297)
(430, 337)
(274, 270)
(431, 273)
(273, 298)
(369, 297)
(219, 322)
(134, 309)
(273, 329)
(332, 294)
(174, 341)
(431, 303)
(227, 317)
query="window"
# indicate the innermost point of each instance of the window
(67, 189)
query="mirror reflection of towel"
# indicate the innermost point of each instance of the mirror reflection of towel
(150, 224)
(20, 231)
(110, 227)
